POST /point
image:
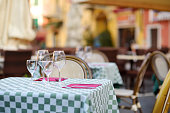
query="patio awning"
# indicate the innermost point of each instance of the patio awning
(162, 5)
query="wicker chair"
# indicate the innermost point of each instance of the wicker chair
(67, 50)
(133, 94)
(97, 56)
(74, 68)
(110, 52)
(162, 103)
(160, 65)
(15, 63)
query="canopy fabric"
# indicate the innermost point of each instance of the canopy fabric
(15, 21)
(162, 5)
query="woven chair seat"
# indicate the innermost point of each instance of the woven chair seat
(124, 92)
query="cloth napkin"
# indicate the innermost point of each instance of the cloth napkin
(83, 86)
(51, 79)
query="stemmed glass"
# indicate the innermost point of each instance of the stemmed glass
(40, 56)
(88, 52)
(80, 52)
(31, 66)
(47, 65)
(59, 61)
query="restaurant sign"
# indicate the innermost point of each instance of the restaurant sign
(126, 19)
(125, 16)
(158, 15)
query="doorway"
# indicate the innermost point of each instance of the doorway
(154, 36)
(126, 36)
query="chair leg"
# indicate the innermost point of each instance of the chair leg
(138, 105)
(140, 110)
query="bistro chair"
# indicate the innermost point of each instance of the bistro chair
(162, 103)
(160, 65)
(74, 68)
(15, 63)
(110, 52)
(133, 94)
(97, 56)
(67, 50)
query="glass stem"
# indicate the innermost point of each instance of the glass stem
(43, 76)
(32, 77)
(59, 76)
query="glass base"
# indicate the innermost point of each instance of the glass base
(62, 84)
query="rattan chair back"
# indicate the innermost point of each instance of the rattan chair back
(141, 73)
(73, 68)
(160, 65)
(97, 56)
(133, 94)
(84, 65)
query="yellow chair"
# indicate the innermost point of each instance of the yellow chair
(133, 94)
(162, 103)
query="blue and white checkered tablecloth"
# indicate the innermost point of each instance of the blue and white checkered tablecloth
(19, 95)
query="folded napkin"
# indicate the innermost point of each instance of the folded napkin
(83, 86)
(51, 79)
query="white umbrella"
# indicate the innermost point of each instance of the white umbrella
(15, 21)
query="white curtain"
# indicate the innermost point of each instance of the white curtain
(15, 21)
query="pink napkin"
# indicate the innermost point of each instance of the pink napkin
(83, 86)
(51, 79)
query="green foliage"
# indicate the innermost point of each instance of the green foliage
(55, 24)
(105, 39)
(26, 75)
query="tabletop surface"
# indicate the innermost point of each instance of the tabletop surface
(131, 57)
(21, 95)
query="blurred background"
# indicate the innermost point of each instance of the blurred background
(71, 23)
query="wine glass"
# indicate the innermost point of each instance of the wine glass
(40, 56)
(31, 66)
(88, 52)
(59, 61)
(47, 67)
(80, 52)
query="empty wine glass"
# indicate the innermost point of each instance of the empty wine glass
(87, 52)
(31, 66)
(59, 61)
(47, 67)
(40, 56)
(80, 52)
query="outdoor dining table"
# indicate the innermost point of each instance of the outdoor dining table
(20, 95)
(107, 70)
(131, 57)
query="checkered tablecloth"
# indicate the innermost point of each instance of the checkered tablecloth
(106, 71)
(20, 95)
